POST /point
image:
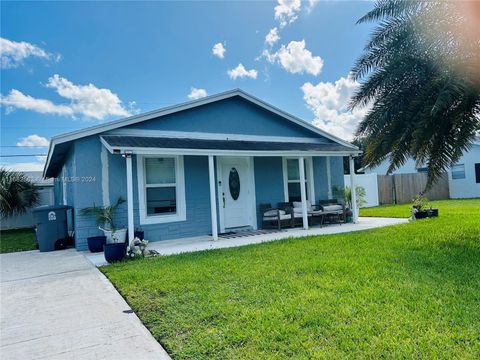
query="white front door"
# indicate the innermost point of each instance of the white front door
(236, 192)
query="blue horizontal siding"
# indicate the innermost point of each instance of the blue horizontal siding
(336, 169)
(85, 163)
(88, 188)
(268, 182)
(320, 177)
(230, 116)
(197, 198)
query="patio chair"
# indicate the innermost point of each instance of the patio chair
(295, 208)
(334, 210)
(275, 217)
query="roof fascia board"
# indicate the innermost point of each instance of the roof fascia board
(206, 152)
(209, 136)
(49, 156)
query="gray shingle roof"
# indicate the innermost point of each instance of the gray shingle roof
(240, 145)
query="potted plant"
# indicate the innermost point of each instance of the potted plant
(360, 195)
(420, 208)
(115, 244)
(348, 215)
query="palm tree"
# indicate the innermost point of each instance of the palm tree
(17, 193)
(420, 77)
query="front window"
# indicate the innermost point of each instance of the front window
(477, 173)
(293, 180)
(458, 171)
(161, 189)
(161, 186)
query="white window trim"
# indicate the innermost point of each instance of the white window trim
(180, 215)
(309, 178)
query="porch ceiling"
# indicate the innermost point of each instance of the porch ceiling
(118, 142)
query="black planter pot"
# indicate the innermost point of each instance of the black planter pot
(421, 215)
(114, 252)
(139, 234)
(426, 214)
(95, 243)
(432, 212)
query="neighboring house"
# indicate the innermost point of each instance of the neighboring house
(46, 197)
(463, 177)
(179, 167)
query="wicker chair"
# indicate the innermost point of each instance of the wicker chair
(275, 218)
(334, 211)
(313, 212)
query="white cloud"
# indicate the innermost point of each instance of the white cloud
(311, 4)
(296, 59)
(33, 141)
(329, 103)
(286, 11)
(219, 50)
(85, 100)
(17, 99)
(270, 57)
(88, 100)
(272, 36)
(241, 72)
(197, 93)
(13, 53)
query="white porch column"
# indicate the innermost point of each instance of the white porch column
(352, 187)
(329, 178)
(131, 229)
(303, 191)
(213, 202)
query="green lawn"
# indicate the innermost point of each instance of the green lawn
(405, 291)
(17, 240)
(405, 210)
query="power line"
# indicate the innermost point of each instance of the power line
(23, 146)
(20, 155)
(36, 127)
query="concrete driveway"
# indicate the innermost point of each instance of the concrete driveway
(57, 305)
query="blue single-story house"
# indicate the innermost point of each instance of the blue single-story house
(173, 167)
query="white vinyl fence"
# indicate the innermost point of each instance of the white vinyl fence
(27, 220)
(369, 183)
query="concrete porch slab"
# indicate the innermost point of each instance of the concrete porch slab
(171, 247)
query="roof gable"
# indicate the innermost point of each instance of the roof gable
(234, 115)
(295, 122)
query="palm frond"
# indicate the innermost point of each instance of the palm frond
(17, 193)
(422, 106)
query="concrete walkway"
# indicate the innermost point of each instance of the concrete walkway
(200, 243)
(57, 305)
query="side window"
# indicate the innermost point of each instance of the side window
(458, 171)
(477, 173)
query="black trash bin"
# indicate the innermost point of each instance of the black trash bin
(52, 226)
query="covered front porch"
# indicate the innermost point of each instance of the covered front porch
(201, 243)
(176, 186)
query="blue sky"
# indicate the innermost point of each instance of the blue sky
(68, 65)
